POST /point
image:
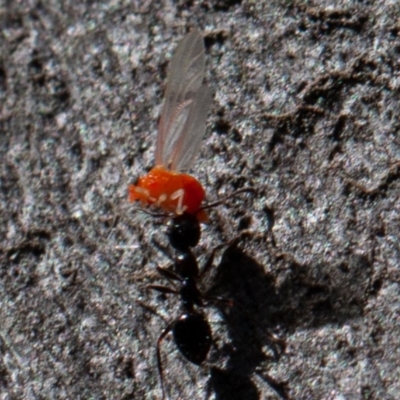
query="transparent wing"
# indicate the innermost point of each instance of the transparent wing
(184, 113)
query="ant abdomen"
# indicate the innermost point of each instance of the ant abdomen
(192, 336)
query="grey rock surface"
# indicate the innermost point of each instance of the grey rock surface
(305, 110)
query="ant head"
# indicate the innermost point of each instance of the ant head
(184, 231)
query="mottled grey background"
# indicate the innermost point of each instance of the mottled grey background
(306, 110)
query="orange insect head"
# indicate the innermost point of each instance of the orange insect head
(171, 191)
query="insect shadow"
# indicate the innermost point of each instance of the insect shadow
(309, 296)
(248, 323)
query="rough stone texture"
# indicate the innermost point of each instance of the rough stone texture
(305, 110)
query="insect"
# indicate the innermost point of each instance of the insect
(191, 330)
(180, 131)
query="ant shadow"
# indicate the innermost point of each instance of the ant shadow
(305, 297)
(242, 280)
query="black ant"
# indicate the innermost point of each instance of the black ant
(191, 330)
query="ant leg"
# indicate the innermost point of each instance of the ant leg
(152, 214)
(208, 264)
(166, 273)
(150, 309)
(159, 363)
(165, 250)
(210, 260)
(162, 289)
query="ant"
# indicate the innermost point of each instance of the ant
(191, 330)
